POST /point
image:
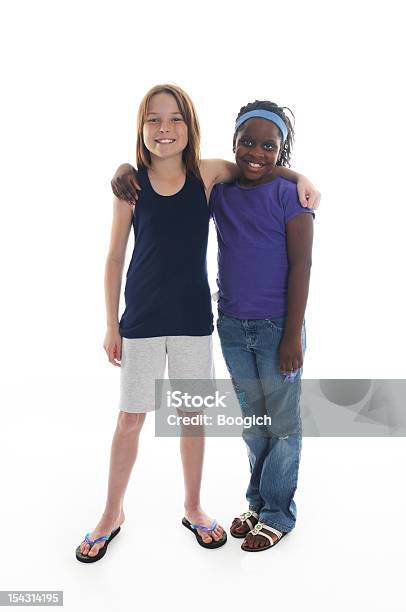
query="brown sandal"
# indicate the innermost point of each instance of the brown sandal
(251, 518)
(264, 531)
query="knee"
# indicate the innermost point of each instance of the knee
(130, 422)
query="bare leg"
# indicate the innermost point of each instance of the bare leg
(124, 450)
(192, 454)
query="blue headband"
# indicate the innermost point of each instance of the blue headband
(264, 114)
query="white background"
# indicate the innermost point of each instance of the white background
(73, 76)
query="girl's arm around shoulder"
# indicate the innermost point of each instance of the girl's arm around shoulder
(125, 183)
(309, 196)
(215, 171)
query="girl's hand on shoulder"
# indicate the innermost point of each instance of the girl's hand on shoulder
(290, 354)
(125, 184)
(112, 345)
(309, 196)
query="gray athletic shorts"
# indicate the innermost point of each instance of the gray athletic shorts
(143, 361)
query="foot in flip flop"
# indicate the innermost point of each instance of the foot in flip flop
(94, 546)
(208, 532)
(243, 524)
(261, 538)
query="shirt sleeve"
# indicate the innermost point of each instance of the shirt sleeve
(291, 203)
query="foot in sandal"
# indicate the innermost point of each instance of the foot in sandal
(261, 538)
(107, 525)
(197, 516)
(243, 524)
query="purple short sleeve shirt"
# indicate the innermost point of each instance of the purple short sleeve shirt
(252, 250)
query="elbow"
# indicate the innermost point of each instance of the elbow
(114, 260)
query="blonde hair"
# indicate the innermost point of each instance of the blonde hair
(191, 153)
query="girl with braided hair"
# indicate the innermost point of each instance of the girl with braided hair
(265, 244)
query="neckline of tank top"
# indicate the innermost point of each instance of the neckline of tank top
(160, 195)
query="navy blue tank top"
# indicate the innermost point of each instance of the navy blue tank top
(167, 291)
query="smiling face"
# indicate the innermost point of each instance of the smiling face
(257, 150)
(164, 131)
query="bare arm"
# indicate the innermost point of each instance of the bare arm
(287, 173)
(309, 196)
(120, 230)
(125, 183)
(215, 171)
(221, 171)
(299, 232)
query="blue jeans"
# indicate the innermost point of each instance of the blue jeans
(251, 351)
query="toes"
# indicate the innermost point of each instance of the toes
(205, 536)
(218, 533)
(94, 550)
(261, 542)
(253, 542)
(258, 542)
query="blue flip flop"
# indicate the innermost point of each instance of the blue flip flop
(102, 551)
(195, 526)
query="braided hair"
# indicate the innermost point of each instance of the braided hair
(286, 148)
